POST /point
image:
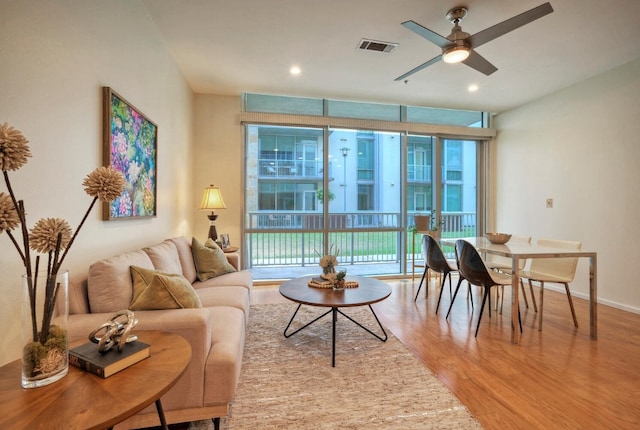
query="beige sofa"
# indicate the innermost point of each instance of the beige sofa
(216, 332)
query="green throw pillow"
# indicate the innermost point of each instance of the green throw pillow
(209, 259)
(153, 289)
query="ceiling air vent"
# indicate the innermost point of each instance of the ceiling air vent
(376, 45)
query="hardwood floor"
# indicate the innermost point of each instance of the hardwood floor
(557, 378)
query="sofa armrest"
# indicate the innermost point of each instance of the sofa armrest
(195, 325)
(192, 324)
(233, 259)
(80, 326)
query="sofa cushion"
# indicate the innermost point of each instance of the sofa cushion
(164, 257)
(153, 289)
(78, 295)
(234, 297)
(183, 246)
(241, 278)
(109, 284)
(209, 259)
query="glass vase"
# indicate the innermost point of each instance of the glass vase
(45, 308)
(328, 272)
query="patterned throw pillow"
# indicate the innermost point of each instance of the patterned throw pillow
(209, 259)
(153, 289)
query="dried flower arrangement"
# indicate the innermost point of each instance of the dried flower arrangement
(328, 263)
(50, 236)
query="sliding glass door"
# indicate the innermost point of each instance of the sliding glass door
(365, 212)
(450, 166)
(454, 210)
(355, 191)
(284, 196)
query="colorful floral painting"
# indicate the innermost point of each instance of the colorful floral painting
(130, 148)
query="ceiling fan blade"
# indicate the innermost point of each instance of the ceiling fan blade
(478, 62)
(431, 36)
(420, 67)
(488, 34)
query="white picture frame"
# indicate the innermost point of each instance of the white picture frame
(224, 240)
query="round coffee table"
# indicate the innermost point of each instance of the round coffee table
(369, 291)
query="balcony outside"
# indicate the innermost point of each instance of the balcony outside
(290, 245)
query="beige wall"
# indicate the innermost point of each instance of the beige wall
(219, 147)
(581, 147)
(55, 57)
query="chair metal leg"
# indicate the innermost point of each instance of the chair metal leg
(426, 269)
(524, 294)
(489, 295)
(444, 279)
(541, 305)
(566, 287)
(487, 291)
(533, 297)
(216, 423)
(520, 320)
(454, 296)
(573, 311)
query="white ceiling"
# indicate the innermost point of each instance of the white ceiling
(230, 47)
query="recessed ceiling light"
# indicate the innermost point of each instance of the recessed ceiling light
(473, 88)
(295, 70)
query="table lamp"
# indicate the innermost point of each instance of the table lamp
(212, 199)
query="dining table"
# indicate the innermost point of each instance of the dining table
(522, 251)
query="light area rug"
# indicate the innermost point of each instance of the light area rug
(290, 384)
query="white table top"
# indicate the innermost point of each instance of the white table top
(520, 250)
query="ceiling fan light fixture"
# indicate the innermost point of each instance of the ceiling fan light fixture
(456, 54)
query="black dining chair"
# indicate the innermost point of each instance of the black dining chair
(435, 260)
(474, 270)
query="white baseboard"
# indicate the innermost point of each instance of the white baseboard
(601, 301)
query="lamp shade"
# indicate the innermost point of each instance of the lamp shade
(212, 199)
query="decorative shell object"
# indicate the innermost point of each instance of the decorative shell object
(498, 238)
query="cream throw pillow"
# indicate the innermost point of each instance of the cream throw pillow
(209, 259)
(153, 289)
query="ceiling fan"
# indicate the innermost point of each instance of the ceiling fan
(459, 47)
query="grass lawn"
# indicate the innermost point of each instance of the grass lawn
(376, 245)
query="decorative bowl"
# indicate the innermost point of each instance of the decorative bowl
(498, 238)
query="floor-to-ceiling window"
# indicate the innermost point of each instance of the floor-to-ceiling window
(295, 211)
(353, 189)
